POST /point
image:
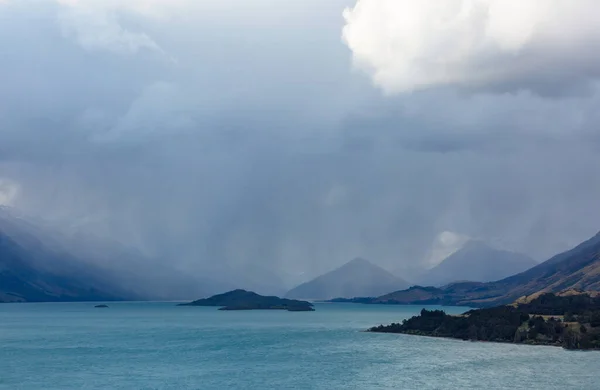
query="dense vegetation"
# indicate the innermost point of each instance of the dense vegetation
(551, 304)
(248, 300)
(572, 322)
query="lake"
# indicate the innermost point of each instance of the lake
(157, 345)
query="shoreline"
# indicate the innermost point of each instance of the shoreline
(484, 341)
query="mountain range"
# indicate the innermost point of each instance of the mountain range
(578, 269)
(39, 264)
(358, 277)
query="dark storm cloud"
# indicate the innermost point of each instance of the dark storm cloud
(226, 137)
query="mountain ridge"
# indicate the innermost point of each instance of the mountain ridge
(476, 261)
(21, 280)
(577, 268)
(38, 263)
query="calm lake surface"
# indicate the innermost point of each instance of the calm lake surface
(161, 346)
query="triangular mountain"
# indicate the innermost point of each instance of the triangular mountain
(477, 262)
(356, 278)
(578, 269)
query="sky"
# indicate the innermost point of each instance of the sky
(298, 135)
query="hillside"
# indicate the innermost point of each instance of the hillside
(578, 268)
(248, 300)
(22, 280)
(38, 263)
(356, 278)
(477, 262)
(568, 320)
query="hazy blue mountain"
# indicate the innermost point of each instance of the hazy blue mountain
(40, 264)
(356, 278)
(22, 278)
(476, 262)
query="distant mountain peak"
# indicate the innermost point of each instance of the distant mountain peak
(570, 272)
(477, 261)
(359, 261)
(358, 277)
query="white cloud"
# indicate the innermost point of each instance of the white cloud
(445, 244)
(95, 25)
(156, 9)
(544, 46)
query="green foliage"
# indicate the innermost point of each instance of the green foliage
(573, 305)
(523, 324)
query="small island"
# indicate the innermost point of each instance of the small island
(570, 320)
(101, 306)
(248, 300)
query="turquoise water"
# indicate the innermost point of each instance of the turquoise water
(161, 346)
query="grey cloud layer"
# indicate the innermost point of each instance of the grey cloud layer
(256, 142)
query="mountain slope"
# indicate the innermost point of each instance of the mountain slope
(578, 268)
(355, 278)
(41, 264)
(477, 262)
(21, 280)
